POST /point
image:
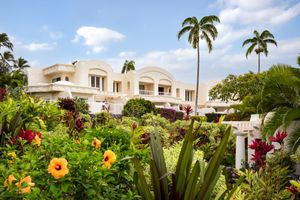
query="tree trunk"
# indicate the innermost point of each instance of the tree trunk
(258, 64)
(197, 85)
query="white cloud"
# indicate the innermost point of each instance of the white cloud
(126, 54)
(97, 38)
(37, 47)
(34, 63)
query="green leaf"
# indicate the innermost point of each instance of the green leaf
(155, 180)
(190, 192)
(213, 166)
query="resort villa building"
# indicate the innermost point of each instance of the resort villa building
(101, 87)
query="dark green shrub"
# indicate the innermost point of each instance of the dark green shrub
(233, 117)
(138, 107)
(81, 106)
(168, 113)
(179, 115)
(213, 117)
(67, 104)
(102, 118)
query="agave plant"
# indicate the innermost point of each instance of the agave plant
(281, 94)
(187, 182)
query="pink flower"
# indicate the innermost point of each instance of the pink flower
(28, 135)
(279, 137)
(261, 148)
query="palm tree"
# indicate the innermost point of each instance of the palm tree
(281, 94)
(128, 65)
(203, 29)
(4, 41)
(260, 43)
(21, 64)
(298, 60)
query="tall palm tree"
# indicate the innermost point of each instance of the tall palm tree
(128, 65)
(4, 41)
(260, 43)
(5, 56)
(298, 60)
(21, 64)
(203, 29)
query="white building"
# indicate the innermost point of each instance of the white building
(96, 82)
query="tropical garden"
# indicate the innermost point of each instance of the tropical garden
(59, 150)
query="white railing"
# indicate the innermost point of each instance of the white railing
(146, 92)
(164, 93)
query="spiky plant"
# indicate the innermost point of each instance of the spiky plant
(203, 29)
(259, 43)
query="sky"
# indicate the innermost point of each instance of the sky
(56, 31)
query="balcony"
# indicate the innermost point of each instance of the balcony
(146, 92)
(59, 68)
(164, 93)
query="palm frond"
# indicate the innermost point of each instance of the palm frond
(209, 19)
(256, 33)
(183, 31)
(266, 34)
(271, 41)
(293, 139)
(250, 40)
(208, 41)
(190, 21)
(250, 49)
(4, 41)
(211, 29)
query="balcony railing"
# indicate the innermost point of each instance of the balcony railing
(146, 92)
(164, 93)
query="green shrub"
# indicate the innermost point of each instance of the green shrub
(87, 177)
(179, 115)
(81, 105)
(200, 118)
(102, 118)
(138, 107)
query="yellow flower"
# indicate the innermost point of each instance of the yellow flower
(109, 157)
(28, 182)
(78, 141)
(96, 143)
(9, 180)
(58, 167)
(37, 140)
(13, 154)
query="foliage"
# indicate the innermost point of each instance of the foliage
(27, 113)
(102, 118)
(202, 29)
(11, 69)
(233, 117)
(261, 148)
(213, 117)
(187, 183)
(281, 94)
(168, 113)
(81, 106)
(188, 110)
(298, 60)
(67, 104)
(266, 183)
(179, 115)
(3, 94)
(128, 66)
(236, 88)
(138, 107)
(74, 122)
(86, 177)
(260, 43)
(209, 138)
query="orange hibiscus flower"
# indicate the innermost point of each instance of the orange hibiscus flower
(109, 157)
(58, 167)
(96, 143)
(28, 185)
(9, 180)
(37, 140)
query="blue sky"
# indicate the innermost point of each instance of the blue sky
(49, 32)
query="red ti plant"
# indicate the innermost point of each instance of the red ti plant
(3, 94)
(261, 148)
(188, 110)
(279, 137)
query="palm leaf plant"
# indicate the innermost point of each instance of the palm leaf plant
(203, 29)
(128, 66)
(197, 182)
(259, 43)
(281, 94)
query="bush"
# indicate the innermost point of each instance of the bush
(102, 118)
(67, 104)
(3, 94)
(213, 117)
(200, 118)
(179, 115)
(138, 107)
(87, 177)
(233, 117)
(168, 113)
(81, 106)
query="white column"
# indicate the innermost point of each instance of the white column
(173, 91)
(155, 88)
(240, 149)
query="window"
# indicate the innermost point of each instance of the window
(97, 82)
(188, 95)
(56, 79)
(117, 86)
(66, 78)
(161, 90)
(141, 87)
